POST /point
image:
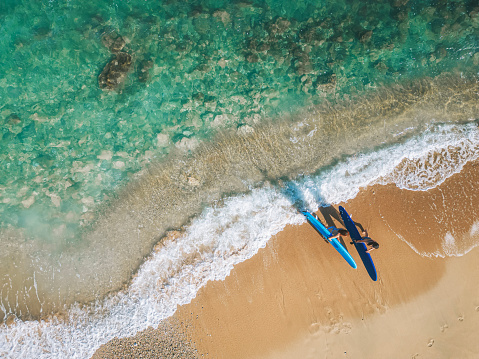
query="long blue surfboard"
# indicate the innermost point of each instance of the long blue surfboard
(326, 234)
(360, 247)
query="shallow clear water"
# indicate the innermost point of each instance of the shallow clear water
(232, 231)
(197, 67)
(220, 98)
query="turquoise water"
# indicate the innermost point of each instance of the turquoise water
(199, 68)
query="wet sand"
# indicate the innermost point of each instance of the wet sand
(169, 340)
(298, 298)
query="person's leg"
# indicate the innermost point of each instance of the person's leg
(337, 236)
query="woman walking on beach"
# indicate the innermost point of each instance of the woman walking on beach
(372, 244)
(337, 233)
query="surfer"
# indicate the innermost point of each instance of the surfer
(337, 233)
(372, 244)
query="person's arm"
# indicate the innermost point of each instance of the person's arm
(361, 240)
(370, 249)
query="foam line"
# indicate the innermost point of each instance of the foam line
(214, 242)
(223, 235)
(419, 163)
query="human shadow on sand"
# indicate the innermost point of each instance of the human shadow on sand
(329, 212)
(296, 197)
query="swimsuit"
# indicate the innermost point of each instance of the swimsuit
(371, 242)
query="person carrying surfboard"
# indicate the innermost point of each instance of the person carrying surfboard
(337, 233)
(372, 244)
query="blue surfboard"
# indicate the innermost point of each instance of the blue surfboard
(360, 247)
(326, 234)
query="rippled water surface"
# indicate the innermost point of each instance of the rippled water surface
(196, 67)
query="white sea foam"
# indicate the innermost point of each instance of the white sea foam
(232, 232)
(474, 229)
(214, 242)
(420, 163)
(449, 244)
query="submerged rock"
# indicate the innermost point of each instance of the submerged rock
(143, 70)
(223, 16)
(398, 3)
(278, 26)
(115, 71)
(114, 42)
(252, 57)
(365, 36)
(325, 82)
(13, 119)
(14, 124)
(201, 24)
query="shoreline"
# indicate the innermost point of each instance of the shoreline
(288, 292)
(167, 196)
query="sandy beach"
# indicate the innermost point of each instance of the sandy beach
(297, 298)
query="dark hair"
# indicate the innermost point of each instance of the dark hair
(343, 232)
(375, 245)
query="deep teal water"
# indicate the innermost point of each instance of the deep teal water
(198, 67)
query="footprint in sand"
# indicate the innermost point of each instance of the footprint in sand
(431, 342)
(415, 356)
(444, 327)
(477, 309)
(461, 318)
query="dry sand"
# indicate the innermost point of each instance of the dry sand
(297, 298)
